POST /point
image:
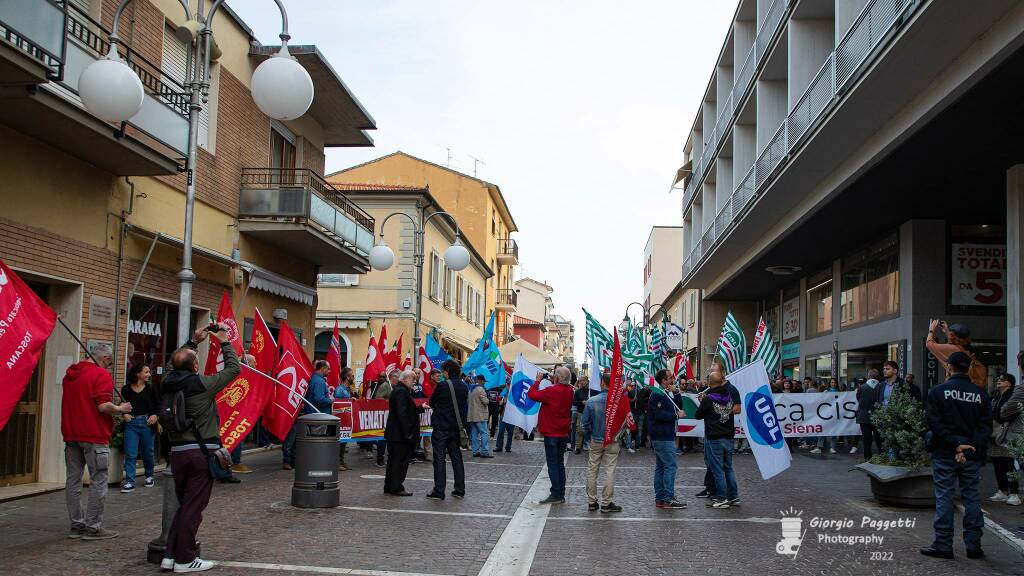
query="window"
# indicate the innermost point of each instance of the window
(692, 308)
(435, 276)
(459, 291)
(174, 63)
(448, 280)
(337, 279)
(871, 283)
(819, 303)
(282, 155)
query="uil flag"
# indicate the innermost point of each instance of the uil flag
(617, 407)
(294, 370)
(334, 360)
(25, 324)
(423, 363)
(240, 404)
(481, 354)
(732, 345)
(226, 318)
(263, 346)
(765, 349)
(374, 364)
(434, 351)
(520, 411)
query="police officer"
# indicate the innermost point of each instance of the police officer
(960, 423)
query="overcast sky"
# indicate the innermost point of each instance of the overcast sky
(578, 109)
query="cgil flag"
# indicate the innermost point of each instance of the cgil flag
(293, 370)
(25, 324)
(764, 349)
(732, 344)
(520, 411)
(263, 346)
(226, 318)
(425, 366)
(374, 364)
(334, 361)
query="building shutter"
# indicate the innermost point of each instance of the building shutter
(175, 65)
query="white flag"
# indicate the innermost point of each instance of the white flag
(520, 411)
(595, 375)
(759, 420)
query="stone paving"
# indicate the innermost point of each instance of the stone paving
(252, 522)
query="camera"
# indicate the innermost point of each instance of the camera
(214, 327)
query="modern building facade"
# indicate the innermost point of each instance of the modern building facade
(93, 213)
(454, 306)
(480, 209)
(663, 255)
(852, 172)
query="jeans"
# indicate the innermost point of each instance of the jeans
(826, 443)
(288, 446)
(236, 455)
(946, 474)
(78, 455)
(505, 429)
(665, 466)
(869, 434)
(138, 436)
(639, 438)
(192, 485)
(554, 452)
(718, 454)
(446, 442)
(478, 438)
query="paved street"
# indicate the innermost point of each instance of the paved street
(251, 524)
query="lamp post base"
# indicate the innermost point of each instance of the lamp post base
(155, 548)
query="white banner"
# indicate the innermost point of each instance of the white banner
(805, 414)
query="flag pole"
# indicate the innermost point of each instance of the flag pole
(87, 352)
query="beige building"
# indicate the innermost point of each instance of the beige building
(663, 260)
(454, 305)
(683, 307)
(93, 217)
(478, 206)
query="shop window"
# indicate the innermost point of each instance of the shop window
(871, 283)
(819, 303)
(819, 368)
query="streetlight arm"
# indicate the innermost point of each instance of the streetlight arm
(455, 224)
(388, 217)
(285, 37)
(115, 39)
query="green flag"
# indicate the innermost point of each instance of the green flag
(599, 342)
(732, 345)
(765, 349)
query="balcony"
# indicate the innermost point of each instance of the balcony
(506, 300)
(44, 47)
(296, 210)
(508, 252)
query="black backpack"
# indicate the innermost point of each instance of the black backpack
(172, 416)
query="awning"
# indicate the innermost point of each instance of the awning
(263, 279)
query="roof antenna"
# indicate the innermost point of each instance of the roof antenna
(475, 162)
(448, 164)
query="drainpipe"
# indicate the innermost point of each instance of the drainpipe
(121, 234)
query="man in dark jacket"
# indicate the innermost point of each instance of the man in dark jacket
(579, 440)
(448, 404)
(868, 395)
(959, 421)
(662, 413)
(400, 432)
(717, 410)
(191, 467)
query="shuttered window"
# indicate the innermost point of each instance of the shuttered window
(175, 64)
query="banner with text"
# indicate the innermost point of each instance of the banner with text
(810, 414)
(364, 420)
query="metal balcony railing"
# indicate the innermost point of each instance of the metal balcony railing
(36, 27)
(877, 22)
(508, 247)
(300, 193)
(506, 297)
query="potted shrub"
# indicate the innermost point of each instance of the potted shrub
(901, 474)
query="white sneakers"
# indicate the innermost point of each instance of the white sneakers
(1013, 500)
(831, 450)
(816, 451)
(197, 565)
(853, 450)
(998, 497)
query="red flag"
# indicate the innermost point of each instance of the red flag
(423, 363)
(226, 318)
(240, 404)
(616, 411)
(294, 370)
(374, 365)
(407, 363)
(263, 346)
(25, 324)
(382, 344)
(334, 360)
(393, 357)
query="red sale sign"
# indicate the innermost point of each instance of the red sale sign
(978, 274)
(25, 324)
(364, 420)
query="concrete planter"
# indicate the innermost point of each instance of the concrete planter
(901, 485)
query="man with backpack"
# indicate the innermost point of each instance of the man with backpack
(194, 436)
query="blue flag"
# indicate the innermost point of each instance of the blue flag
(436, 354)
(481, 354)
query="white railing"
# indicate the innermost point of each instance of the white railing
(876, 23)
(767, 30)
(743, 79)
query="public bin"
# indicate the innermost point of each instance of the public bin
(316, 462)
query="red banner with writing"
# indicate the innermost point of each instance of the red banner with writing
(293, 369)
(226, 318)
(616, 413)
(240, 404)
(25, 324)
(364, 420)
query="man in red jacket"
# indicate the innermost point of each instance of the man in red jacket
(86, 424)
(553, 422)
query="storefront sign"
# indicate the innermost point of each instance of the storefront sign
(364, 420)
(800, 415)
(674, 336)
(146, 328)
(791, 318)
(101, 312)
(931, 369)
(791, 351)
(978, 275)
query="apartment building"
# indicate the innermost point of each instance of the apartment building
(854, 170)
(93, 213)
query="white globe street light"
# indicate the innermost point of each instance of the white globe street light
(281, 87)
(110, 89)
(381, 256)
(456, 256)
